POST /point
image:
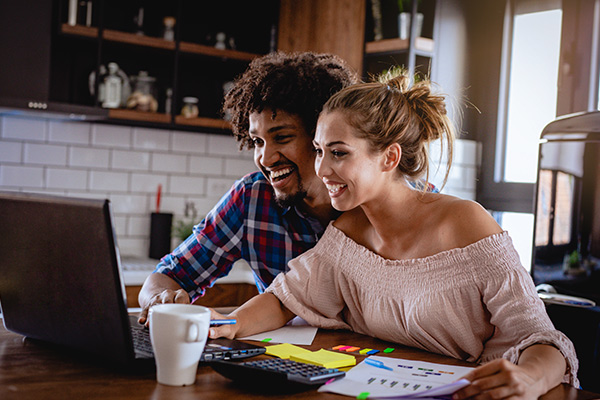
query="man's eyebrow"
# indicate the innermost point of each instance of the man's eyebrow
(276, 128)
(282, 127)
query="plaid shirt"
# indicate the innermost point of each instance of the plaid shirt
(245, 224)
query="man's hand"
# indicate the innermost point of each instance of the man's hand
(159, 289)
(166, 296)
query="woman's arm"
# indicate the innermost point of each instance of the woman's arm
(539, 369)
(259, 314)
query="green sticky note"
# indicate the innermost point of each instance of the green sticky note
(389, 350)
(363, 396)
(268, 339)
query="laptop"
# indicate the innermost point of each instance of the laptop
(60, 280)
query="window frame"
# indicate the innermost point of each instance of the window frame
(577, 86)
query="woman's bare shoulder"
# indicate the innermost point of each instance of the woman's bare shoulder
(463, 222)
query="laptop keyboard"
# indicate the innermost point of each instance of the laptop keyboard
(141, 342)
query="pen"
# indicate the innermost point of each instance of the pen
(215, 322)
(377, 363)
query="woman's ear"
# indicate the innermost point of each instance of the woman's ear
(391, 157)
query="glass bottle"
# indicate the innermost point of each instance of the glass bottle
(112, 87)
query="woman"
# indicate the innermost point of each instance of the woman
(421, 269)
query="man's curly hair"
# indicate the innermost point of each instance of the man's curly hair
(297, 83)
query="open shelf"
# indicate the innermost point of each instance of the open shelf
(148, 41)
(80, 30)
(203, 122)
(133, 115)
(138, 40)
(195, 48)
(422, 44)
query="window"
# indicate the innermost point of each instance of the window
(532, 90)
(527, 102)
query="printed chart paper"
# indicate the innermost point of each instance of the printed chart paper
(407, 379)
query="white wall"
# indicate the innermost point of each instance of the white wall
(123, 164)
(126, 165)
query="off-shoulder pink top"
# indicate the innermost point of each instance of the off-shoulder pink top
(475, 303)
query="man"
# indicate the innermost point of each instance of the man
(271, 216)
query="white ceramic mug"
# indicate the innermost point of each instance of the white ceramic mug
(178, 333)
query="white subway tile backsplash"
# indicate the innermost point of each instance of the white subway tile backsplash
(224, 145)
(89, 157)
(109, 181)
(150, 139)
(130, 160)
(120, 225)
(47, 154)
(111, 136)
(133, 246)
(185, 185)
(205, 165)
(163, 162)
(69, 132)
(21, 176)
(191, 143)
(10, 151)
(129, 204)
(238, 168)
(216, 187)
(60, 178)
(204, 205)
(138, 226)
(148, 183)
(24, 128)
(170, 203)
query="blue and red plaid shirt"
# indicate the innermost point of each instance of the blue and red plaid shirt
(245, 224)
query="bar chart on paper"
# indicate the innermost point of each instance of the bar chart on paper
(395, 378)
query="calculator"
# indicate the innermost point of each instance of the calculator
(276, 372)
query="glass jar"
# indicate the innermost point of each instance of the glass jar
(190, 107)
(143, 97)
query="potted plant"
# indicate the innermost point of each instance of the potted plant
(404, 14)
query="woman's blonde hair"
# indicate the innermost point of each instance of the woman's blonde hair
(391, 110)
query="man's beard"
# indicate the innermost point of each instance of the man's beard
(289, 200)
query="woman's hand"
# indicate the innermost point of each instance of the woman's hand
(226, 331)
(500, 379)
(540, 368)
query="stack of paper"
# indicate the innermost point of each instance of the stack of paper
(400, 379)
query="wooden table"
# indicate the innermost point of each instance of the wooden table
(32, 370)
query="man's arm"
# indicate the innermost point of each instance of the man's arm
(159, 288)
(206, 255)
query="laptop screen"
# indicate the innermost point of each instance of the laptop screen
(59, 273)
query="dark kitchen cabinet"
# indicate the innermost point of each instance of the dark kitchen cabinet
(49, 56)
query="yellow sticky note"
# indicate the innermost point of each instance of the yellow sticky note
(285, 350)
(325, 358)
(364, 351)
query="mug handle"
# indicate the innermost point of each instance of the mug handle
(193, 331)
